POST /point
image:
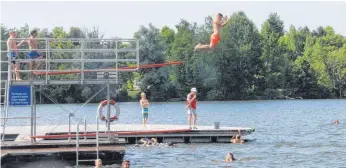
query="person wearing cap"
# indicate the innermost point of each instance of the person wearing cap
(144, 104)
(191, 106)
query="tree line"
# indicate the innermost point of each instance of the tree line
(248, 63)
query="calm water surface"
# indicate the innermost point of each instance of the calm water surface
(289, 133)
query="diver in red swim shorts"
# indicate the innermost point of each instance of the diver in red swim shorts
(215, 37)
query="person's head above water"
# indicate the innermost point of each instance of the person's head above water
(125, 164)
(336, 122)
(237, 136)
(229, 157)
(98, 163)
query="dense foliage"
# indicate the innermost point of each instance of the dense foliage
(248, 63)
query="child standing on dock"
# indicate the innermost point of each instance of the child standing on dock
(144, 104)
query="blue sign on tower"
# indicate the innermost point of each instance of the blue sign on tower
(19, 95)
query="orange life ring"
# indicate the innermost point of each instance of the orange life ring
(103, 104)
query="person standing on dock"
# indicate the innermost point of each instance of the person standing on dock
(191, 106)
(144, 102)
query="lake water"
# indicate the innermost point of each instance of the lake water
(289, 133)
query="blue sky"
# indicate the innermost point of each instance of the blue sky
(122, 19)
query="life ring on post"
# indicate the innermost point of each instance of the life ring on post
(103, 104)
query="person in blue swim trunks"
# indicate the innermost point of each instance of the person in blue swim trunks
(12, 49)
(144, 104)
(33, 54)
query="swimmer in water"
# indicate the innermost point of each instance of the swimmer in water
(237, 138)
(98, 163)
(125, 164)
(336, 122)
(146, 141)
(171, 144)
(215, 36)
(154, 141)
(229, 157)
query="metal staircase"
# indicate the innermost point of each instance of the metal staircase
(4, 106)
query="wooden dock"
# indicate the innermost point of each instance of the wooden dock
(43, 151)
(110, 154)
(18, 142)
(223, 134)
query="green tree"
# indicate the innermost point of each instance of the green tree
(182, 50)
(167, 36)
(324, 53)
(154, 81)
(272, 54)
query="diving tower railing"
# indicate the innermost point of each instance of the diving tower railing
(66, 61)
(85, 55)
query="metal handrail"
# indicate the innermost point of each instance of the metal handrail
(77, 141)
(74, 60)
(78, 50)
(97, 137)
(18, 117)
(69, 70)
(82, 51)
(49, 58)
(77, 144)
(5, 110)
(79, 39)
